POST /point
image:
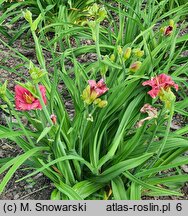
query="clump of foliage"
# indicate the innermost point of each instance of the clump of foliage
(119, 137)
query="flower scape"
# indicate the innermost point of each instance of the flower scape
(93, 108)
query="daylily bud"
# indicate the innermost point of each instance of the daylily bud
(135, 66)
(119, 49)
(138, 53)
(36, 73)
(94, 8)
(93, 95)
(86, 95)
(96, 101)
(28, 16)
(168, 98)
(3, 88)
(127, 53)
(34, 25)
(102, 14)
(171, 23)
(53, 118)
(102, 104)
(162, 29)
(112, 57)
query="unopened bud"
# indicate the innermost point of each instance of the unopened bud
(112, 57)
(28, 16)
(171, 22)
(36, 73)
(102, 104)
(3, 88)
(102, 14)
(138, 53)
(135, 66)
(127, 53)
(96, 101)
(53, 118)
(94, 8)
(168, 98)
(119, 49)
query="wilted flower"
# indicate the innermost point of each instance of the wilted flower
(135, 66)
(159, 84)
(151, 111)
(24, 99)
(167, 30)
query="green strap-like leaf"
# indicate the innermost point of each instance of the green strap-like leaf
(67, 190)
(44, 133)
(64, 158)
(87, 187)
(118, 189)
(120, 167)
(17, 163)
(162, 191)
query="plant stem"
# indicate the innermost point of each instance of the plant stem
(97, 42)
(43, 106)
(167, 130)
(156, 128)
(161, 147)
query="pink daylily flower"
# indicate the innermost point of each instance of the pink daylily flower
(160, 83)
(24, 100)
(99, 88)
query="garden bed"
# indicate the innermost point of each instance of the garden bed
(41, 187)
